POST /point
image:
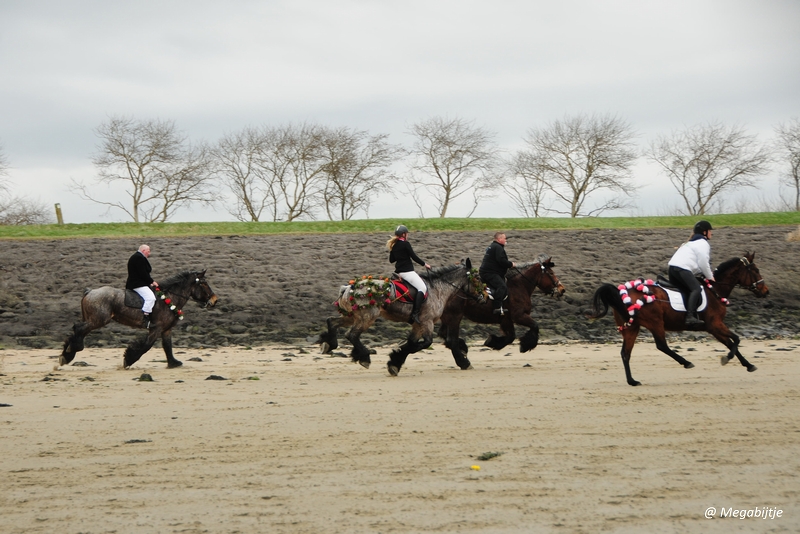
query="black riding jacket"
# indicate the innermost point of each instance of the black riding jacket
(138, 271)
(495, 260)
(401, 255)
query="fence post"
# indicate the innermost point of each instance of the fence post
(59, 217)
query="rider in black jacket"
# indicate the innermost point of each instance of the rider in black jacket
(493, 270)
(401, 254)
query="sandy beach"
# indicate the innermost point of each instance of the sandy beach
(287, 440)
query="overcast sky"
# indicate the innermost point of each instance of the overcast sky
(216, 67)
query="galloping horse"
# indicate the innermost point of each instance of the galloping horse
(659, 317)
(360, 305)
(100, 306)
(521, 284)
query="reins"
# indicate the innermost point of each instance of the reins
(535, 284)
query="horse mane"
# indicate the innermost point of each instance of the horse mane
(527, 265)
(725, 266)
(439, 272)
(179, 279)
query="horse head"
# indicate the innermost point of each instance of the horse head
(541, 275)
(742, 272)
(200, 290)
(549, 282)
(751, 278)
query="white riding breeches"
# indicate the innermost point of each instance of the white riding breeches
(148, 296)
(415, 280)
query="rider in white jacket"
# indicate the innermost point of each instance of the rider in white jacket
(691, 259)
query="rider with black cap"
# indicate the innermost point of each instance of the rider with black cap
(401, 254)
(691, 259)
(493, 270)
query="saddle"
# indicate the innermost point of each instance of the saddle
(133, 299)
(678, 296)
(402, 291)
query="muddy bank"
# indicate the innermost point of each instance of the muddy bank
(281, 288)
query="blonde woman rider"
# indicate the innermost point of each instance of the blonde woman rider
(401, 253)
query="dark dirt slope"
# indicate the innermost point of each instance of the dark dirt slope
(281, 288)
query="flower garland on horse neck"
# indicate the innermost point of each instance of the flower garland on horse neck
(168, 301)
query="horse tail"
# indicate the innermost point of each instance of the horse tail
(605, 296)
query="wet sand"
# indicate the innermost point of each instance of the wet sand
(293, 441)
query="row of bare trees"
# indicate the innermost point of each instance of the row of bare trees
(304, 171)
(18, 210)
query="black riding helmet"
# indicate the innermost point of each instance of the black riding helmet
(702, 227)
(401, 230)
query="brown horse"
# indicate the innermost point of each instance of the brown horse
(659, 317)
(105, 304)
(362, 302)
(521, 283)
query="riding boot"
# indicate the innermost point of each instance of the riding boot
(693, 320)
(146, 320)
(418, 298)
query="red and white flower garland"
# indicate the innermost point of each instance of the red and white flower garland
(161, 296)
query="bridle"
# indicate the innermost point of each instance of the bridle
(189, 295)
(536, 284)
(753, 287)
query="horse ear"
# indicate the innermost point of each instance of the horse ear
(202, 274)
(468, 264)
(750, 256)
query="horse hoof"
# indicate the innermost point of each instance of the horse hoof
(324, 348)
(365, 365)
(725, 359)
(634, 383)
(174, 364)
(751, 368)
(688, 365)
(393, 370)
(467, 368)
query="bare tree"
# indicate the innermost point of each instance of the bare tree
(356, 169)
(162, 170)
(3, 171)
(453, 157)
(706, 160)
(787, 146)
(294, 160)
(239, 161)
(525, 184)
(578, 156)
(22, 211)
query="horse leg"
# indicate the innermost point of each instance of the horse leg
(628, 340)
(74, 343)
(413, 344)
(138, 347)
(530, 340)
(360, 352)
(660, 337)
(328, 340)
(166, 344)
(731, 341)
(458, 347)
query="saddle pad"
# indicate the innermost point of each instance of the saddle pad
(402, 291)
(133, 299)
(676, 300)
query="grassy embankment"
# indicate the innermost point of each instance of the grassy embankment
(120, 230)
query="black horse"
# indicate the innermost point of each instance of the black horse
(103, 305)
(521, 283)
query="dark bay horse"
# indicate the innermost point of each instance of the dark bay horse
(362, 302)
(105, 304)
(521, 283)
(659, 317)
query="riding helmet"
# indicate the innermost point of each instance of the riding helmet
(702, 227)
(401, 230)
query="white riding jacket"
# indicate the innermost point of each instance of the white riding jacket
(694, 256)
